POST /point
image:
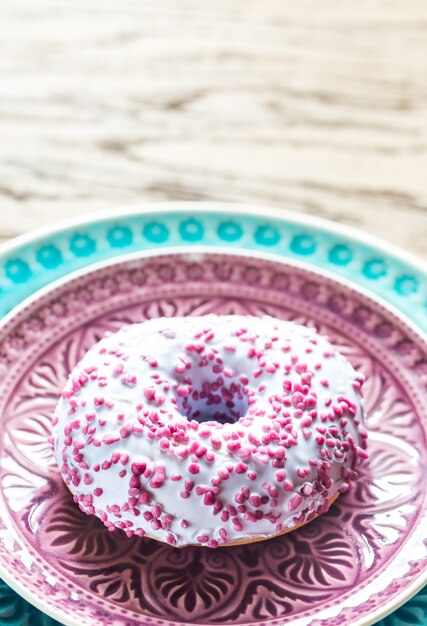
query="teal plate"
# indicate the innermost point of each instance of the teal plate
(31, 262)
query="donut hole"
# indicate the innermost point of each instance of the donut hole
(218, 400)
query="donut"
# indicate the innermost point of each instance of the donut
(210, 430)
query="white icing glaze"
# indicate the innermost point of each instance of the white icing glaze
(292, 438)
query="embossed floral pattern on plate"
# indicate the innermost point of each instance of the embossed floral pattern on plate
(310, 575)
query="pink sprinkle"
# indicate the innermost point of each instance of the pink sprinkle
(307, 489)
(144, 498)
(183, 391)
(176, 476)
(208, 499)
(118, 369)
(134, 482)
(294, 502)
(241, 468)
(224, 474)
(231, 509)
(279, 453)
(159, 477)
(246, 492)
(273, 493)
(218, 506)
(255, 501)
(150, 393)
(138, 468)
(338, 410)
(125, 431)
(193, 468)
(129, 380)
(156, 511)
(110, 438)
(164, 443)
(253, 439)
(233, 445)
(180, 367)
(287, 386)
(98, 491)
(362, 454)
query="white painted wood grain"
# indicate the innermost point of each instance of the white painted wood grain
(315, 107)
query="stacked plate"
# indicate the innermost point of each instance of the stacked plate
(62, 289)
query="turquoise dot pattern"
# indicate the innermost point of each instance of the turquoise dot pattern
(18, 271)
(156, 232)
(47, 259)
(267, 235)
(49, 256)
(340, 254)
(82, 245)
(303, 244)
(374, 269)
(191, 230)
(229, 231)
(405, 285)
(119, 237)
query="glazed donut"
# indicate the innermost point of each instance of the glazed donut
(210, 430)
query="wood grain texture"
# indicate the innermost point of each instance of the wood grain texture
(315, 107)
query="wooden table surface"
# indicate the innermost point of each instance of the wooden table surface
(316, 107)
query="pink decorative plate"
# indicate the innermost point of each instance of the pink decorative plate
(351, 566)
